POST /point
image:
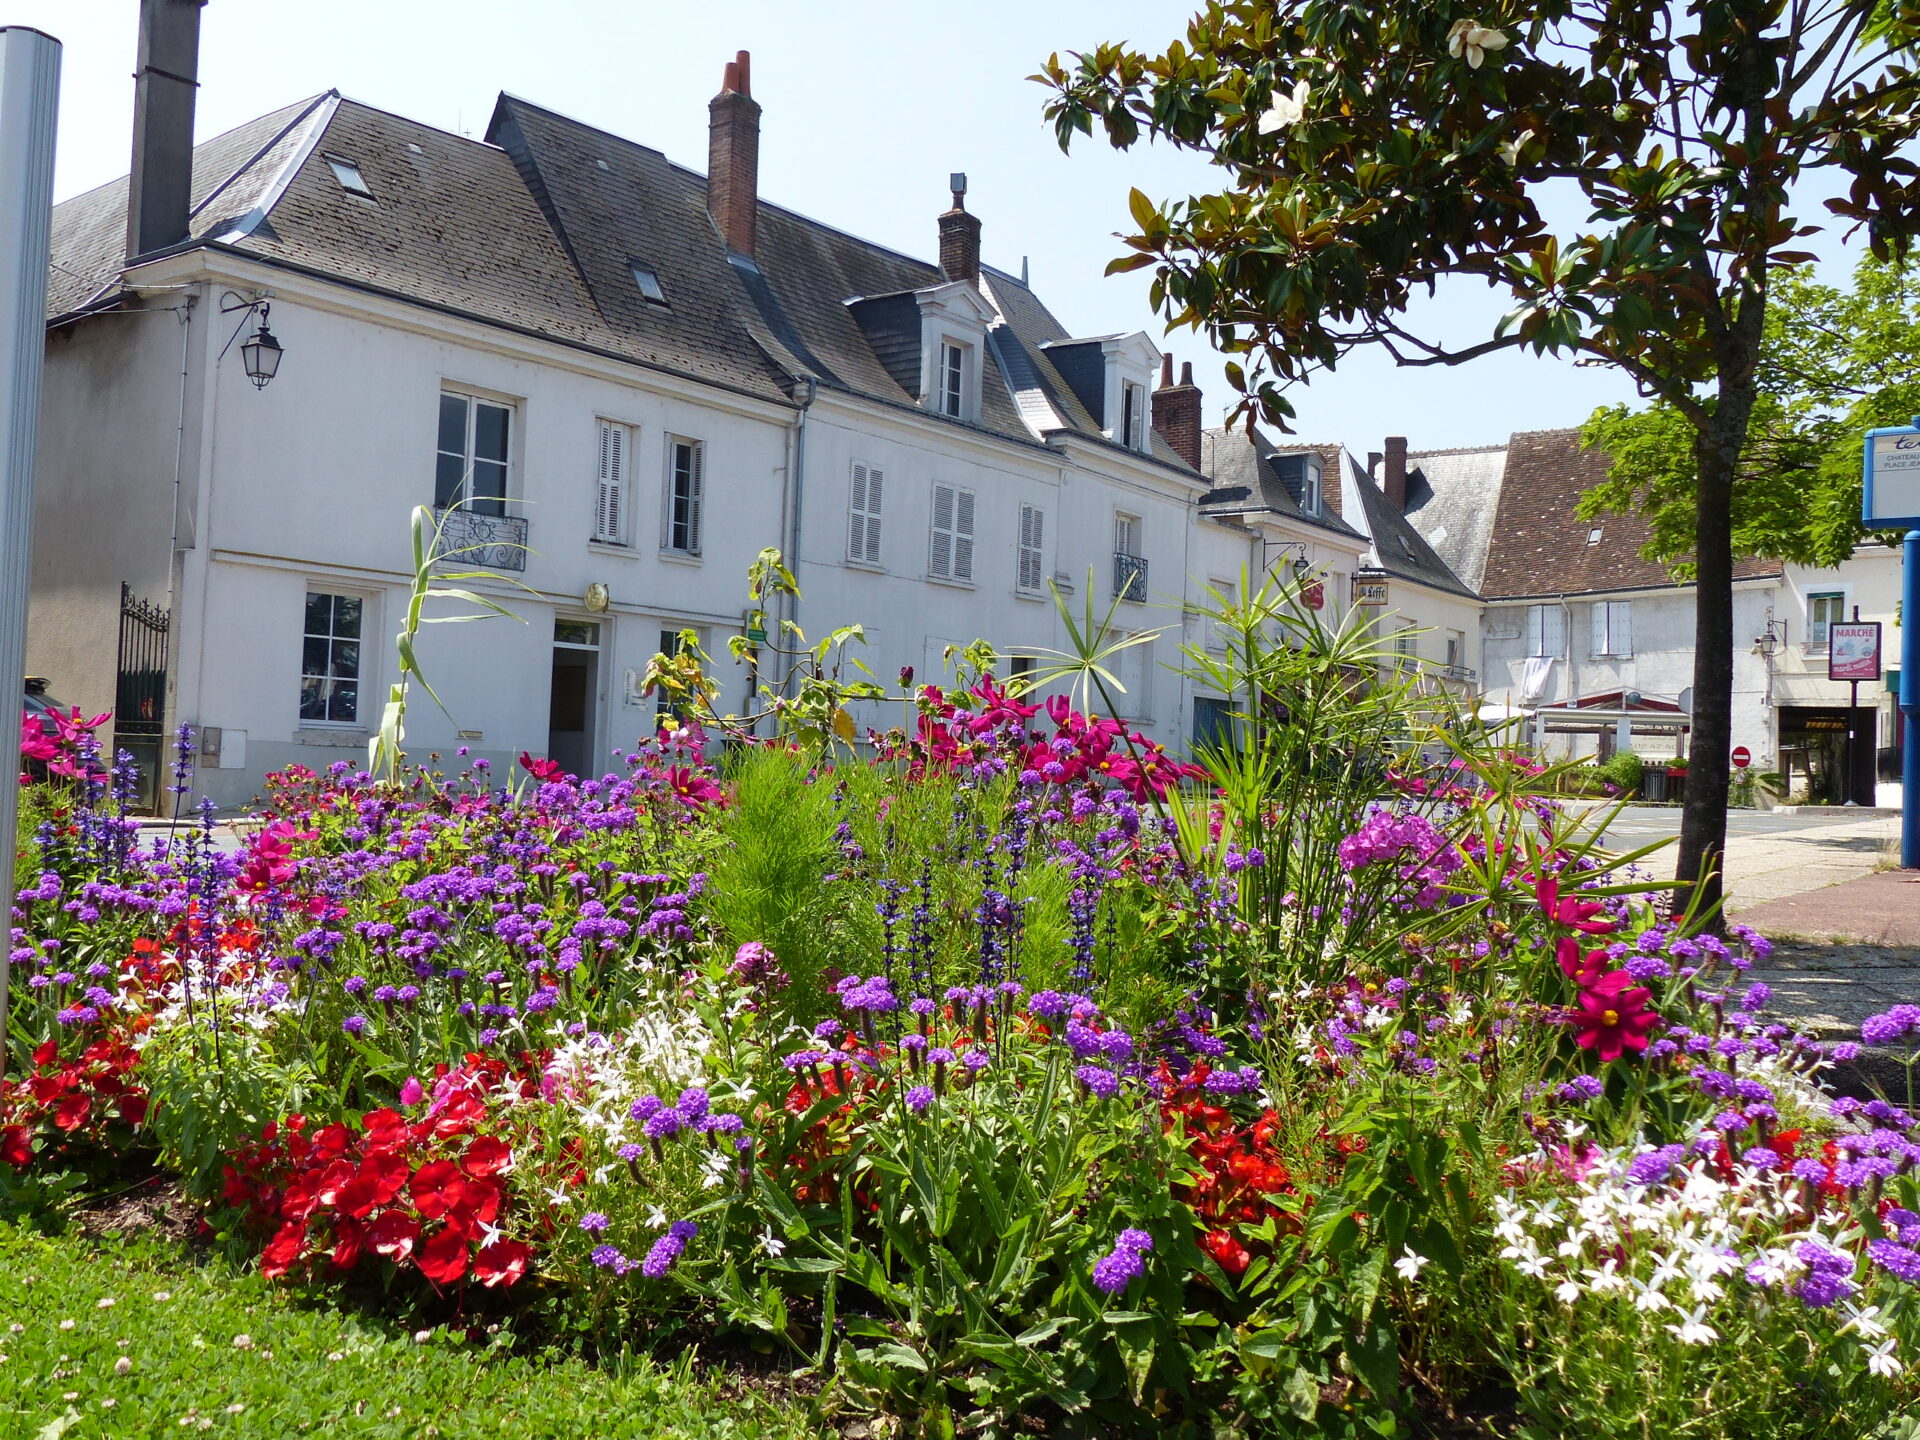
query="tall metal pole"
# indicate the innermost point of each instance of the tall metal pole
(1910, 703)
(29, 97)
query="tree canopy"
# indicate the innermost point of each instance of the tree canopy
(1834, 363)
(1372, 149)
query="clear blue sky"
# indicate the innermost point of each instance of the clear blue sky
(868, 106)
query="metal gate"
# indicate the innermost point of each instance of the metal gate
(140, 694)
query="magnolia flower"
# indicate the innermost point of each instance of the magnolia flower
(1285, 112)
(1694, 1330)
(1510, 149)
(1409, 1265)
(1471, 39)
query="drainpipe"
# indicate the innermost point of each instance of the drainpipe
(793, 494)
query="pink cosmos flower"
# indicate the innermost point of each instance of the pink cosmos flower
(1612, 1015)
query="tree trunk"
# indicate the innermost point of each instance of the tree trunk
(1703, 822)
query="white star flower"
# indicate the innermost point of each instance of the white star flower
(1880, 1359)
(1409, 1265)
(1694, 1330)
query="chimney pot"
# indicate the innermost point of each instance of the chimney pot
(733, 157)
(1394, 482)
(1373, 464)
(1177, 412)
(960, 236)
(160, 183)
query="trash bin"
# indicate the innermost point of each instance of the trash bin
(1677, 785)
(1653, 783)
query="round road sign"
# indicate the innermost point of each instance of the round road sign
(1742, 757)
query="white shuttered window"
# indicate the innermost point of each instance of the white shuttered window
(952, 551)
(1613, 627)
(1546, 630)
(1032, 547)
(610, 492)
(686, 495)
(863, 529)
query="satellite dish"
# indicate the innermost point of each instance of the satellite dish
(1686, 701)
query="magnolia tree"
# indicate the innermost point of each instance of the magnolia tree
(1370, 152)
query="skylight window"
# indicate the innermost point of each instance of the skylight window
(1593, 535)
(649, 282)
(1407, 545)
(348, 174)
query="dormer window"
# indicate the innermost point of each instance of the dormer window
(1310, 485)
(951, 390)
(1110, 375)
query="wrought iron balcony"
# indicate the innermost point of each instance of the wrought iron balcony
(498, 542)
(1130, 577)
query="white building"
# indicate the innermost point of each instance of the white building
(634, 377)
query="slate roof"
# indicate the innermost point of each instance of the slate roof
(1398, 546)
(1241, 470)
(536, 228)
(1536, 546)
(1451, 499)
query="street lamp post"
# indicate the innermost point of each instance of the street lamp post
(29, 98)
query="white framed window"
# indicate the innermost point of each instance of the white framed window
(470, 462)
(951, 555)
(1032, 568)
(1612, 628)
(950, 383)
(1310, 484)
(330, 658)
(1133, 415)
(863, 523)
(1133, 667)
(1129, 565)
(1823, 609)
(1126, 534)
(1456, 649)
(1406, 642)
(615, 444)
(1546, 630)
(685, 495)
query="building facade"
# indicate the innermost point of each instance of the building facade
(614, 381)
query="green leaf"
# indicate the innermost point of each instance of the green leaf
(1302, 1394)
(1374, 1356)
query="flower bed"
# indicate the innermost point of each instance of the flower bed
(1001, 1077)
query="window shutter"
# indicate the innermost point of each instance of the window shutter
(875, 478)
(857, 517)
(1554, 623)
(1032, 526)
(1623, 627)
(1600, 637)
(1534, 636)
(610, 503)
(941, 561)
(696, 487)
(963, 535)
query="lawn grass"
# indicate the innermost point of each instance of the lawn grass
(211, 1349)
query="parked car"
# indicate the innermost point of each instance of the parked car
(37, 701)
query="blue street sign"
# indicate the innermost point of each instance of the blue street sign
(1890, 499)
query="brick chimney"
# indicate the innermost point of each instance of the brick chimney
(1393, 480)
(160, 185)
(1176, 411)
(960, 236)
(733, 157)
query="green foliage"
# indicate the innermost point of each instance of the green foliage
(1834, 364)
(1626, 772)
(306, 1368)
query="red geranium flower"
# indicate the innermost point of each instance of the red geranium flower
(16, 1148)
(486, 1156)
(72, 1112)
(283, 1249)
(435, 1187)
(501, 1263)
(1228, 1253)
(393, 1235)
(442, 1256)
(349, 1243)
